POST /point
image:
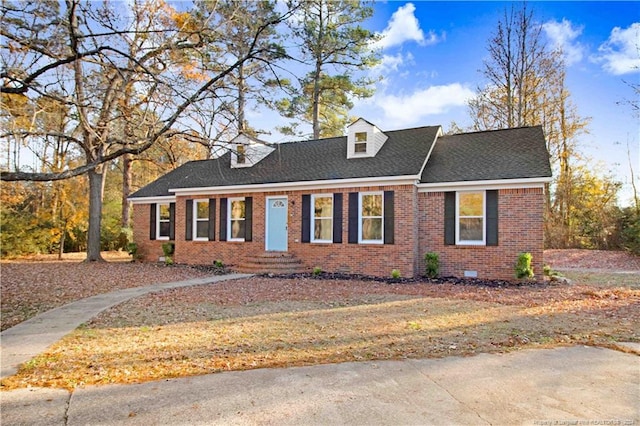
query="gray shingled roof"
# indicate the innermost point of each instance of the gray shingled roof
(489, 155)
(403, 154)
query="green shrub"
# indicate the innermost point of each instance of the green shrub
(218, 264)
(523, 266)
(132, 249)
(395, 274)
(168, 249)
(317, 271)
(432, 263)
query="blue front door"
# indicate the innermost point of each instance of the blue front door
(276, 232)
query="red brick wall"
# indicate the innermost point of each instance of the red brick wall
(520, 229)
(419, 228)
(369, 259)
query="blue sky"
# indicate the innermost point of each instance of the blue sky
(433, 51)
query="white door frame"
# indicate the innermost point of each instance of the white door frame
(266, 222)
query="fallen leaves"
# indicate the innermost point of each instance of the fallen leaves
(267, 322)
(30, 288)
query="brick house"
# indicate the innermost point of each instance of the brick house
(365, 203)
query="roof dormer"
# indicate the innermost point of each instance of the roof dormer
(247, 151)
(364, 139)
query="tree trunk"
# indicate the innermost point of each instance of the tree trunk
(315, 99)
(126, 189)
(62, 238)
(96, 179)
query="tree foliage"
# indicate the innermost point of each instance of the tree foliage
(126, 80)
(525, 86)
(333, 47)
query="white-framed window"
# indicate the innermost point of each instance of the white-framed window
(163, 221)
(322, 218)
(471, 218)
(360, 146)
(371, 218)
(241, 155)
(201, 220)
(236, 219)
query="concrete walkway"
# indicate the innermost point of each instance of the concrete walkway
(571, 385)
(24, 341)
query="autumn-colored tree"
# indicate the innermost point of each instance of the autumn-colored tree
(526, 87)
(93, 58)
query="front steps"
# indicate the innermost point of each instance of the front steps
(271, 262)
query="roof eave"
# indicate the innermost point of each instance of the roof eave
(154, 199)
(535, 182)
(299, 185)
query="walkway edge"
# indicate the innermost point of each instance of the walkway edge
(28, 339)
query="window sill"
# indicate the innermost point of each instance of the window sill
(470, 246)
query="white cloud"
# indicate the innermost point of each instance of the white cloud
(391, 63)
(563, 36)
(412, 108)
(621, 52)
(404, 26)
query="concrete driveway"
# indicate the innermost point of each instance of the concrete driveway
(563, 386)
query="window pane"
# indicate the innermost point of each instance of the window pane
(202, 229)
(237, 229)
(237, 209)
(471, 229)
(471, 204)
(371, 229)
(323, 207)
(202, 210)
(361, 136)
(372, 205)
(164, 212)
(323, 229)
(360, 147)
(164, 229)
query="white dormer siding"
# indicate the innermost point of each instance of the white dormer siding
(247, 151)
(364, 139)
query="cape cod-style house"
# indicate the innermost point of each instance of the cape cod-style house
(365, 203)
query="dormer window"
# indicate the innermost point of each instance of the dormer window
(247, 151)
(364, 140)
(241, 154)
(360, 146)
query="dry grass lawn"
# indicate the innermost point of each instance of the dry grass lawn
(266, 322)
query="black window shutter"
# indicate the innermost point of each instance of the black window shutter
(337, 218)
(212, 219)
(172, 221)
(248, 219)
(389, 217)
(188, 220)
(353, 218)
(450, 218)
(223, 219)
(306, 218)
(492, 217)
(152, 221)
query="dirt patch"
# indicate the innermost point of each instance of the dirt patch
(33, 287)
(591, 259)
